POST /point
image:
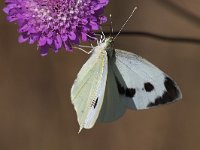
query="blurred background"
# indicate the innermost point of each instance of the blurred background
(35, 107)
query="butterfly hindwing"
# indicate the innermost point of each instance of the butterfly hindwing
(142, 85)
(113, 107)
(87, 92)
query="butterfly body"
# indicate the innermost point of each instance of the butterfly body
(113, 80)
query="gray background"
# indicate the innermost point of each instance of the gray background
(35, 108)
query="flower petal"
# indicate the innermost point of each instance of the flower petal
(94, 25)
(44, 50)
(58, 42)
(42, 41)
(22, 38)
(84, 36)
(68, 46)
(72, 36)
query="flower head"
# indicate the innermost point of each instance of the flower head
(56, 23)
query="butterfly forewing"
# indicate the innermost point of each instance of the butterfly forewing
(87, 92)
(141, 85)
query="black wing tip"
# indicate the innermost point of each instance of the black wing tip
(171, 94)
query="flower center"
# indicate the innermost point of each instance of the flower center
(56, 13)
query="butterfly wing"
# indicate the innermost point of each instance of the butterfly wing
(87, 92)
(142, 85)
(113, 107)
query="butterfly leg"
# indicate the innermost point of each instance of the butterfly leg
(94, 38)
(101, 37)
(87, 52)
(85, 46)
(91, 45)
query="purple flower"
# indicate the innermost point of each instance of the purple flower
(56, 23)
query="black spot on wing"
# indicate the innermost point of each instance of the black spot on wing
(128, 92)
(171, 93)
(171, 88)
(148, 87)
(94, 103)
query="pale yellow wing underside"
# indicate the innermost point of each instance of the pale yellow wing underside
(87, 92)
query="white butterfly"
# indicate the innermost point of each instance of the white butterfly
(113, 80)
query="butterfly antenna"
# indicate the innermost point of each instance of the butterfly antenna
(125, 23)
(111, 26)
(102, 34)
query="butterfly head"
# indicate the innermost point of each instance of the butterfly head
(108, 42)
(107, 45)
